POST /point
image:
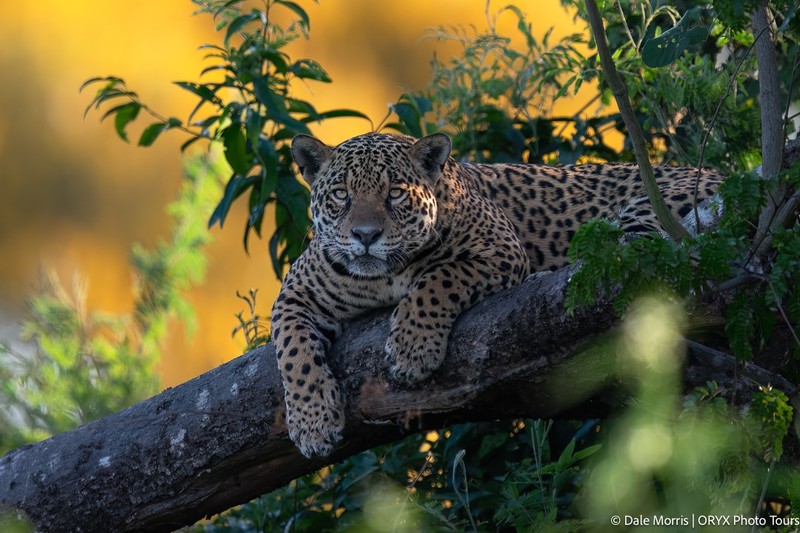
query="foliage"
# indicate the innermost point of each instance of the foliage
(720, 267)
(701, 267)
(252, 113)
(771, 409)
(461, 479)
(493, 98)
(701, 101)
(664, 459)
(78, 365)
(253, 327)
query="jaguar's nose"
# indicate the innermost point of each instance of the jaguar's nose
(366, 235)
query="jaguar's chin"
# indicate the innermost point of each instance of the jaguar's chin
(368, 266)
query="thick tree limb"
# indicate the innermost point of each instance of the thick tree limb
(219, 440)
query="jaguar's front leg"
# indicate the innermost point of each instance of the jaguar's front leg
(422, 321)
(314, 403)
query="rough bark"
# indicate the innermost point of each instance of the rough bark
(772, 126)
(220, 440)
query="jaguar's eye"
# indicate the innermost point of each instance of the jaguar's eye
(340, 195)
(397, 194)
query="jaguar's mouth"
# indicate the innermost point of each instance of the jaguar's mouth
(369, 266)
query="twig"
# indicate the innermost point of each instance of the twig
(783, 314)
(625, 25)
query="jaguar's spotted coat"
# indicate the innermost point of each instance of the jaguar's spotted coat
(400, 223)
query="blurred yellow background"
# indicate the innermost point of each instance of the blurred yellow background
(74, 197)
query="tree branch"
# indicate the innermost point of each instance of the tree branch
(665, 217)
(220, 439)
(771, 125)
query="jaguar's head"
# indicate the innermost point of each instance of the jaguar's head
(372, 197)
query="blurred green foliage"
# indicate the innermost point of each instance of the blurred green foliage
(78, 365)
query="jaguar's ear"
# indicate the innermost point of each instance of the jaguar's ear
(310, 154)
(431, 153)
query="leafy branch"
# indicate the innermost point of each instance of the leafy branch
(254, 125)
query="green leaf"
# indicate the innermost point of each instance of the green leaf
(105, 94)
(111, 81)
(409, 118)
(235, 187)
(309, 69)
(269, 162)
(341, 113)
(772, 410)
(240, 21)
(204, 91)
(490, 443)
(276, 106)
(298, 10)
(227, 5)
(411, 109)
(587, 452)
(151, 133)
(191, 141)
(278, 59)
(291, 222)
(235, 149)
(125, 114)
(664, 49)
(212, 68)
(257, 206)
(253, 127)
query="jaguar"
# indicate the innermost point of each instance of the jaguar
(398, 222)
